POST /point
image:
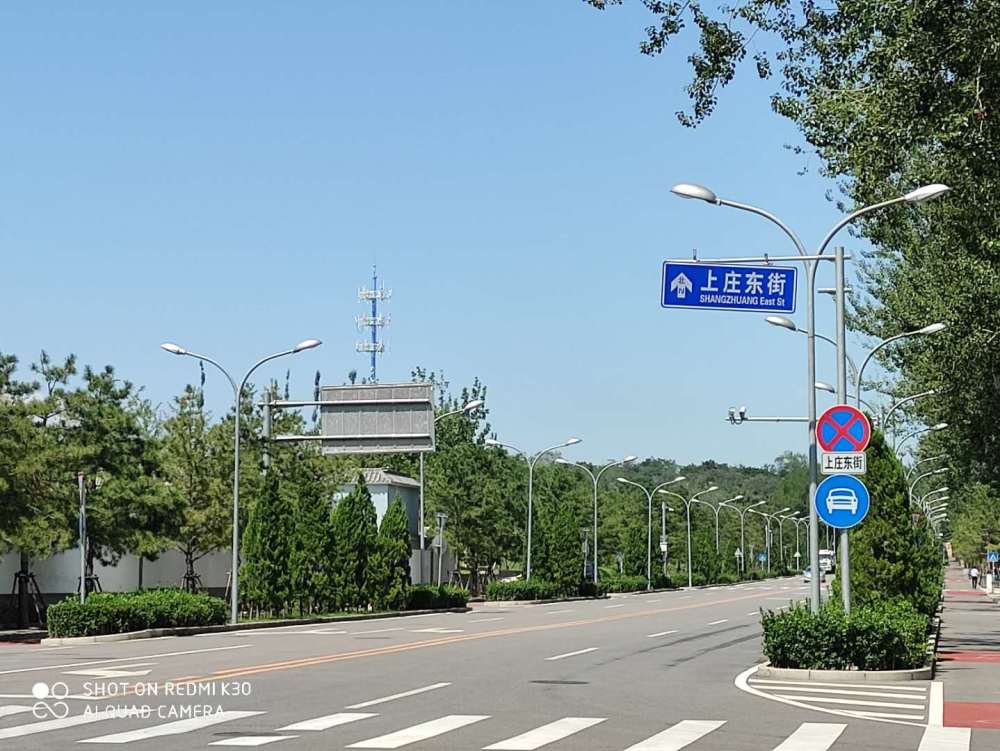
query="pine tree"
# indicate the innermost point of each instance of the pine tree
(390, 568)
(354, 535)
(267, 548)
(564, 553)
(309, 549)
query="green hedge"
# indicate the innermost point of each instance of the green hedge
(431, 597)
(887, 636)
(624, 583)
(535, 589)
(120, 612)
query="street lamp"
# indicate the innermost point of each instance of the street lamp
(767, 533)
(830, 388)
(716, 509)
(924, 461)
(649, 521)
(468, 409)
(931, 329)
(919, 195)
(788, 323)
(919, 431)
(687, 509)
(905, 400)
(920, 477)
(531, 469)
(175, 349)
(797, 521)
(742, 512)
(595, 479)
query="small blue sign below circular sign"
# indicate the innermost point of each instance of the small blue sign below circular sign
(842, 501)
(992, 556)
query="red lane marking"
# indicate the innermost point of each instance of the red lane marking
(968, 714)
(964, 592)
(969, 656)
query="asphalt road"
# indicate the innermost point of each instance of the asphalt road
(649, 672)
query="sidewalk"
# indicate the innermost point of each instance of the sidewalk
(969, 654)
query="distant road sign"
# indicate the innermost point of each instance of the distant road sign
(854, 463)
(992, 556)
(842, 501)
(714, 286)
(843, 429)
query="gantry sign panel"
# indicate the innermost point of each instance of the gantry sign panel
(377, 419)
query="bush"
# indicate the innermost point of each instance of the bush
(589, 589)
(535, 589)
(886, 636)
(431, 597)
(625, 583)
(120, 612)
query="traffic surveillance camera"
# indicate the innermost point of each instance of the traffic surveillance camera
(732, 415)
(743, 413)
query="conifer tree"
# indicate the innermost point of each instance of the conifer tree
(267, 548)
(390, 580)
(354, 536)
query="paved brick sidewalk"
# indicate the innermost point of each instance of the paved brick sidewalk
(969, 654)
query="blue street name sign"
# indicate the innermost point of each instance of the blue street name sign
(992, 556)
(714, 286)
(842, 501)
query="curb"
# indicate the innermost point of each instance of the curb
(846, 676)
(504, 603)
(153, 633)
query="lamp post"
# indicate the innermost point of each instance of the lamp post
(663, 533)
(926, 499)
(742, 512)
(920, 431)
(716, 509)
(903, 401)
(830, 388)
(531, 469)
(649, 521)
(930, 329)
(468, 409)
(767, 532)
(595, 479)
(797, 521)
(924, 193)
(788, 323)
(687, 510)
(174, 349)
(916, 464)
(920, 477)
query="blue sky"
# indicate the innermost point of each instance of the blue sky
(225, 176)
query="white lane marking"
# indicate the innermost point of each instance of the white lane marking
(892, 715)
(484, 620)
(328, 721)
(831, 700)
(849, 692)
(557, 612)
(754, 612)
(252, 740)
(10, 709)
(66, 722)
(685, 597)
(378, 630)
(172, 728)
(716, 623)
(945, 739)
(652, 602)
(436, 630)
(122, 659)
(609, 607)
(812, 736)
(118, 671)
(319, 631)
(661, 633)
(810, 684)
(550, 733)
(678, 736)
(421, 732)
(52, 649)
(935, 713)
(571, 654)
(402, 695)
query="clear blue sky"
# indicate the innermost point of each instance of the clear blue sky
(223, 175)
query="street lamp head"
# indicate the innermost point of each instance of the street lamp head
(690, 190)
(173, 349)
(710, 488)
(306, 344)
(926, 193)
(932, 328)
(736, 498)
(492, 442)
(623, 480)
(560, 460)
(572, 441)
(755, 505)
(629, 459)
(824, 386)
(473, 405)
(939, 426)
(785, 323)
(942, 470)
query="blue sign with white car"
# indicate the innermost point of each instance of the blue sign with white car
(715, 286)
(842, 501)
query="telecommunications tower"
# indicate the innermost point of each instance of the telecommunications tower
(374, 322)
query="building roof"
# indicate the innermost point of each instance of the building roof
(382, 476)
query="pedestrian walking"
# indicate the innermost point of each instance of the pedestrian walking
(974, 575)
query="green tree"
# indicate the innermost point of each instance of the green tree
(267, 548)
(391, 564)
(310, 502)
(354, 539)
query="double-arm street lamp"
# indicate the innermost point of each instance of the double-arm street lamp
(930, 329)
(174, 349)
(687, 510)
(768, 517)
(595, 479)
(810, 263)
(920, 477)
(716, 510)
(797, 521)
(911, 470)
(649, 521)
(531, 469)
(742, 512)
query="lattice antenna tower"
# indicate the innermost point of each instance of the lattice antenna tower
(374, 322)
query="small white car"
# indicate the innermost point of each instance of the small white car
(842, 499)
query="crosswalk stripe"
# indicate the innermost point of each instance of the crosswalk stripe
(328, 721)
(812, 736)
(831, 700)
(851, 692)
(172, 728)
(66, 722)
(420, 732)
(251, 740)
(545, 734)
(10, 709)
(402, 695)
(880, 686)
(678, 736)
(945, 739)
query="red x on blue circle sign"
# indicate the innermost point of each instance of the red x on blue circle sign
(843, 428)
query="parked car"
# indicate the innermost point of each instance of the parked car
(807, 575)
(842, 499)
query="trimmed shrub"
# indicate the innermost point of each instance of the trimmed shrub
(886, 636)
(535, 589)
(120, 612)
(624, 583)
(431, 597)
(589, 589)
